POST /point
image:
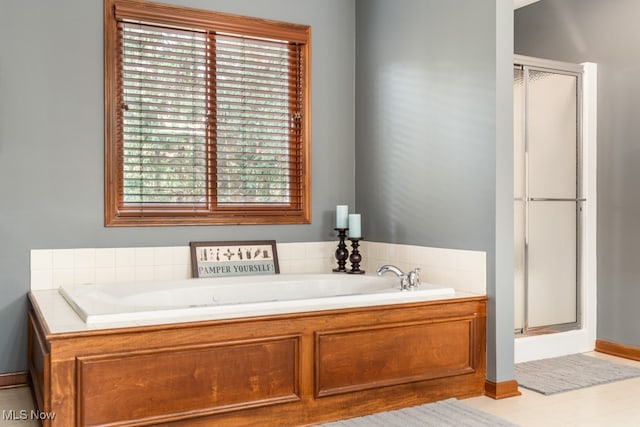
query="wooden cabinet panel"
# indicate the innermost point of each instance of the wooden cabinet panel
(291, 369)
(369, 357)
(174, 382)
(38, 355)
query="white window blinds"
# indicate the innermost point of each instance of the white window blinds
(209, 116)
(258, 113)
(165, 116)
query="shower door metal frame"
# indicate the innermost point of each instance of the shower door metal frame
(527, 64)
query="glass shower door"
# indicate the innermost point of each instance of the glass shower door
(547, 200)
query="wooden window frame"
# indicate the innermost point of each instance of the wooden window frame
(116, 214)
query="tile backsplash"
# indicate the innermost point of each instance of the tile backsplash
(50, 268)
(462, 270)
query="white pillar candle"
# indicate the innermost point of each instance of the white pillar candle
(342, 216)
(354, 226)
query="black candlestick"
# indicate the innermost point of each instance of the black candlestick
(341, 253)
(355, 257)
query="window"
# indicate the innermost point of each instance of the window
(206, 117)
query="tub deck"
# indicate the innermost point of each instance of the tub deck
(285, 369)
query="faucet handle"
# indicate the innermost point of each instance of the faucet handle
(413, 277)
(405, 282)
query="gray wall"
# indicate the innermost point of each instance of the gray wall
(433, 140)
(433, 137)
(51, 138)
(605, 32)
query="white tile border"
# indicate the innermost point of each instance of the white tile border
(51, 268)
(462, 270)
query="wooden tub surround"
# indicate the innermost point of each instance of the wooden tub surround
(288, 369)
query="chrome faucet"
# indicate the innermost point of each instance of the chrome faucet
(409, 280)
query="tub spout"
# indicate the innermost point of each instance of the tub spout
(390, 269)
(409, 280)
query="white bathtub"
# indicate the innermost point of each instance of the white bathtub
(233, 297)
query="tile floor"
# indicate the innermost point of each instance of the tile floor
(608, 405)
(16, 403)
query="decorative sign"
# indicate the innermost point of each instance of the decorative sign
(243, 258)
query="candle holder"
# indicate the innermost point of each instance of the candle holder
(341, 253)
(355, 257)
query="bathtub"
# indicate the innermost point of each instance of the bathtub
(236, 364)
(234, 297)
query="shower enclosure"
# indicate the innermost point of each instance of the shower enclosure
(548, 198)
